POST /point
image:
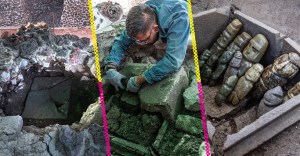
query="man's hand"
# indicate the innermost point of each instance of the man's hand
(114, 78)
(135, 83)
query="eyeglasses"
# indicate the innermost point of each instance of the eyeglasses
(144, 42)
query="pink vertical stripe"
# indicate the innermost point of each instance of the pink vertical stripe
(203, 116)
(105, 125)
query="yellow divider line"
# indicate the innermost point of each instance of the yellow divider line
(94, 38)
(194, 41)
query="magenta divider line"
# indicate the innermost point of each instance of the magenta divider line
(105, 125)
(203, 117)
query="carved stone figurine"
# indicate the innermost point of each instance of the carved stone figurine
(283, 69)
(226, 89)
(294, 91)
(245, 83)
(253, 53)
(239, 43)
(218, 48)
(234, 66)
(272, 98)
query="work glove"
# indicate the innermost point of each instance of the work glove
(114, 78)
(135, 83)
(132, 85)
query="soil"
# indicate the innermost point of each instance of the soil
(285, 143)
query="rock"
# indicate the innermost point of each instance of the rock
(191, 97)
(190, 68)
(168, 138)
(6, 58)
(151, 123)
(106, 13)
(211, 130)
(66, 141)
(128, 148)
(188, 145)
(26, 144)
(113, 116)
(245, 119)
(189, 124)
(5, 77)
(106, 38)
(93, 114)
(93, 70)
(148, 60)
(161, 133)
(27, 48)
(202, 149)
(10, 125)
(130, 102)
(131, 128)
(165, 95)
(134, 69)
(271, 99)
(48, 98)
(113, 101)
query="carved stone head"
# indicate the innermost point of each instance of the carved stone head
(287, 65)
(236, 60)
(254, 72)
(229, 33)
(256, 48)
(242, 40)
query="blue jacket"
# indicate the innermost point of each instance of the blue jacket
(174, 29)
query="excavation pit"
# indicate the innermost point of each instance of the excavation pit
(41, 85)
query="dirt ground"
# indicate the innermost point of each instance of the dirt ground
(284, 16)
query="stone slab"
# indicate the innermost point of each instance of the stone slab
(254, 27)
(263, 129)
(165, 96)
(125, 147)
(159, 138)
(48, 100)
(209, 26)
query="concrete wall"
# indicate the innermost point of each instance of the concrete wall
(208, 27)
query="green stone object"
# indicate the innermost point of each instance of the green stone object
(189, 124)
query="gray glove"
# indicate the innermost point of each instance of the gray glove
(114, 78)
(132, 85)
